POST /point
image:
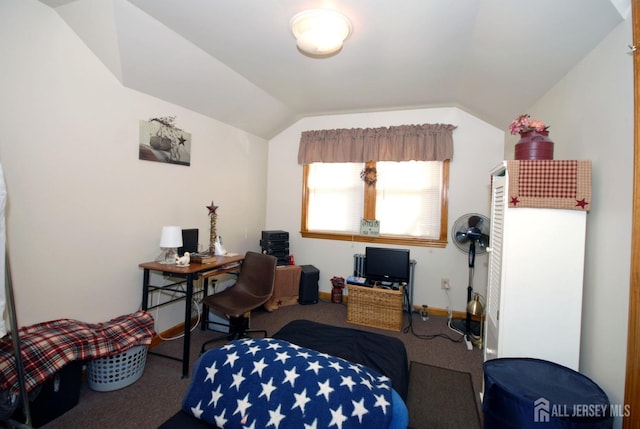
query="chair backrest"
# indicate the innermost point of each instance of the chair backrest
(257, 275)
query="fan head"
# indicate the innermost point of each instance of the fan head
(471, 233)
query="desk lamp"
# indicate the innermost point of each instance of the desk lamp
(170, 240)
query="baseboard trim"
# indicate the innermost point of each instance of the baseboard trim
(174, 331)
(179, 329)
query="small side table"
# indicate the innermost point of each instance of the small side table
(286, 287)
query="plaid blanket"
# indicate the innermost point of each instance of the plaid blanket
(47, 347)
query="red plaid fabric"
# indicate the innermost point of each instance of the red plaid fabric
(47, 347)
(561, 184)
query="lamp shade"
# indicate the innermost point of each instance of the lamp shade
(320, 32)
(171, 237)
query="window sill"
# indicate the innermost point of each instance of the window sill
(399, 240)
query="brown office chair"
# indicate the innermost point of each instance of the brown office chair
(253, 288)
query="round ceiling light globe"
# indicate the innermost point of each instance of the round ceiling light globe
(320, 31)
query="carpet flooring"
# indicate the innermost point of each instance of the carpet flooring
(157, 395)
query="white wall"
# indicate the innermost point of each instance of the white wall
(477, 148)
(83, 210)
(591, 116)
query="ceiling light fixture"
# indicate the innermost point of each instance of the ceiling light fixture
(320, 32)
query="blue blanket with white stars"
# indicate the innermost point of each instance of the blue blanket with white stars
(269, 383)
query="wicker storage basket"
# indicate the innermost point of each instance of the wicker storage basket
(117, 371)
(375, 307)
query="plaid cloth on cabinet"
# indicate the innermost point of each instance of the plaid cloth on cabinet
(553, 184)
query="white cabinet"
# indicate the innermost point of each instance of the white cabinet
(535, 278)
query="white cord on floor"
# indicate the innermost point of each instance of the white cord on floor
(450, 315)
(194, 304)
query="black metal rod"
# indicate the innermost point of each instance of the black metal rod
(17, 352)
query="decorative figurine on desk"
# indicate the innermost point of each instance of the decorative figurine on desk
(219, 249)
(183, 261)
(215, 241)
(212, 232)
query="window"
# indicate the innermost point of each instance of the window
(407, 192)
(408, 198)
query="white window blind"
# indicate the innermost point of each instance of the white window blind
(335, 197)
(408, 196)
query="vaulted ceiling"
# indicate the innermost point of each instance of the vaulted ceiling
(236, 60)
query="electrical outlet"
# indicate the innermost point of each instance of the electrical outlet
(444, 283)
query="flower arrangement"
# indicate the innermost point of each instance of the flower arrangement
(524, 123)
(337, 282)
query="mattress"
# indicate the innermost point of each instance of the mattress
(384, 354)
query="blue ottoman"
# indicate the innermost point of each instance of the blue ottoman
(521, 393)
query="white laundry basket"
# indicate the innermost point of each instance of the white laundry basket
(115, 372)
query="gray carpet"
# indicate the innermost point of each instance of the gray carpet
(158, 394)
(441, 398)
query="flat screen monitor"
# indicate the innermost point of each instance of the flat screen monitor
(384, 264)
(189, 241)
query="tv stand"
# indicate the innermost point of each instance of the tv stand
(375, 306)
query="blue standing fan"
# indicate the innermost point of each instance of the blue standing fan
(470, 233)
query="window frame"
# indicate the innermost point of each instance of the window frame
(369, 205)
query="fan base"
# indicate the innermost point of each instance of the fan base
(461, 325)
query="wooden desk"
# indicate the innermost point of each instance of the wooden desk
(223, 264)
